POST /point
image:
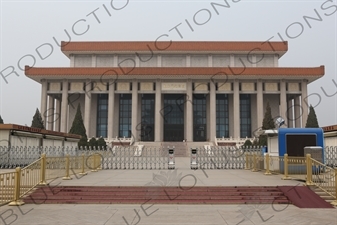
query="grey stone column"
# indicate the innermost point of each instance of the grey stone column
(134, 111)
(115, 62)
(297, 111)
(212, 111)
(283, 100)
(64, 106)
(189, 111)
(276, 57)
(259, 104)
(51, 110)
(231, 60)
(93, 60)
(188, 61)
(304, 103)
(44, 102)
(57, 115)
(72, 60)
(87, 107)
(111, 103)
(253, 59)
(137, 61)
(290, 117)
(236, 108)
(210, 60)
(158, 113)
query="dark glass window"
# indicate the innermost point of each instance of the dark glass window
(102, 115)
(222, 116)
(245, 116)
(147, 122)
(199, 117)
(125, 115)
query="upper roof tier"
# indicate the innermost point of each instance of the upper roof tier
(214, 47)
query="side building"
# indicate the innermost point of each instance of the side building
(13, 135)
(173, 91)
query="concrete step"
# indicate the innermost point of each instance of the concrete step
(328, 198)
(180, 149)
(159, 195)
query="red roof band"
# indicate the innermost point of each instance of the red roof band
(195, 46)
(99, 71)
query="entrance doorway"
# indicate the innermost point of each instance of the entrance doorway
(174, 117)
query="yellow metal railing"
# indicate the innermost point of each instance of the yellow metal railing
(14, 185)
(297, 167)
(30, 176)
(275, 164)
(55, 167)
(7, 184)
(324, 177)
(305, 168)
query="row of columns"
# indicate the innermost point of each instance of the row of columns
(58, 112)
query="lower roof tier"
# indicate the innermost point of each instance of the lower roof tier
(308, 73)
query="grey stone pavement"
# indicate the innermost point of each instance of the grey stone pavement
(157, 214)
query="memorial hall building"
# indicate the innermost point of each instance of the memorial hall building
(173, 91)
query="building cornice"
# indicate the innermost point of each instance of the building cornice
(308, 73)
(185, 47)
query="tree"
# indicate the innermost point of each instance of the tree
(247, 143)
(267, 124)
(101, 143)
(37, 121)
(255, 142)
(312, 118)
(78, 128)
(1, 120)
(93, 143)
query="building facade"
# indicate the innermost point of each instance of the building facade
(173, 91)
(330, 136)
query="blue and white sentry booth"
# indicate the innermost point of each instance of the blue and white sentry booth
(293, 141)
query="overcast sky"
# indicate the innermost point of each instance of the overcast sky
(26, 25)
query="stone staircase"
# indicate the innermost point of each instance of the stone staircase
(155, 195)
(180, 148)
(328, 198)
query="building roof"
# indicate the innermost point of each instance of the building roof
(202, 47)
(330, 128)
(15, 127)
(310, 73)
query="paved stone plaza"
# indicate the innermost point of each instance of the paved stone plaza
(169, 214)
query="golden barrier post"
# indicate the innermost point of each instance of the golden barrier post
(309, 170)
(334, 203)
(267, 165)
(94, 168)
(43, 169)
(254, 163)
(67, 177)
(17, 180)
(285, 177)
(83, 166)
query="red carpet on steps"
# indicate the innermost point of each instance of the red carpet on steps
(156, 195)
(299, 196)
(304, 197)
